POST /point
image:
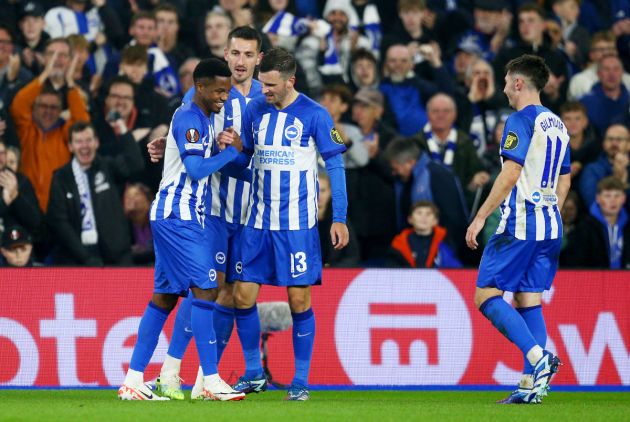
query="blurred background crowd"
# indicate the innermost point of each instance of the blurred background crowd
(414, 87)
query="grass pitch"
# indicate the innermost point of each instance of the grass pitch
(103, 405)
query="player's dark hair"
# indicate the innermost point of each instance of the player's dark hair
(402, 149)
(611, 183)
(571, 106)
(79, 127)
(425, 204)
(532, 67)
(246, 33)
(279, 59)
(210, 69)
(338, 90)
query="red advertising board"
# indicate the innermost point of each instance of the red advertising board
(76, 327)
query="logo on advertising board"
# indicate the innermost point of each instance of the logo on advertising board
(420, 333)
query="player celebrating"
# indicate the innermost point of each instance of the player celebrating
(522, 256)
(227, 199)
(280, 242)
(177, 219)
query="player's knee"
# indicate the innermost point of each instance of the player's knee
(226, 296)
(243, 300)
(299, 304)
(163, 301)
(209, 295)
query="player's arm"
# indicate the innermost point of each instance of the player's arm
(198, 167)
(504, 183)
(337, 175)
(564, 182)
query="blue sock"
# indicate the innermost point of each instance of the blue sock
(535, 321)
(149, 331)
(182, 330)
(509, 323)
(223, 325)
(203, 331)
(303, 338)
(248, 328)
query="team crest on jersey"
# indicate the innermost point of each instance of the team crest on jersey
(212, 275)
(511, 141)
(220, 257)
(192, 135)
(292, 133)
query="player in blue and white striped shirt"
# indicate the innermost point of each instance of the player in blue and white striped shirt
(282, 135)
(226, 208)
(522, 256)
(177, 226)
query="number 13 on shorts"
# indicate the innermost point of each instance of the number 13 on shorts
(298, 264)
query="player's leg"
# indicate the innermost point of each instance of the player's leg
(303, 339)
(149, 330)
(169, 383)
(201, 319)
(529, 306)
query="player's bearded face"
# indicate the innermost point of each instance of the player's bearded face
(275, 87)
(242, 57)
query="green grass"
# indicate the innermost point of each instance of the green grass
(102, 405)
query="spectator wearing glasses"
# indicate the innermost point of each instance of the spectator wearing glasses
(41, 127)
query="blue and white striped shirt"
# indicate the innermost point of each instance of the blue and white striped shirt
(284, 145)
(537, 139)
(191, 133)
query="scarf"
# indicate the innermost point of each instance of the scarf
(434, 146)
(331, 65)
(89, 235)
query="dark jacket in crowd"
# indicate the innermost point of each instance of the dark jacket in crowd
(106, 178)
(24, 210)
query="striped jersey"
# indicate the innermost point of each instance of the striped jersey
(227, 197)
(537, 139)
(283, 145)
(190, 133)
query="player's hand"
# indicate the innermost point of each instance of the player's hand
(230, 137)
(472, 232)
(156, 149)
(339, 235)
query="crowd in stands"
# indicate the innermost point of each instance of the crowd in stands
(414, 88)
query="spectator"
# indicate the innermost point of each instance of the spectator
(372, 200)
(186, 71)
(423, 245)
(346, 257)
(609, 97)
(602, 44)
(491, 27)
(32, 38)
(337, 99)
(41, 128)
(451, 147)
(612, 162)
(570, 214)
(575, 38)
(18, 204)
(279, 21)
(13, 158)
(584, 145)
(84, 72)
(420, 178)
(533, 40)
(136, 204)
(12, 74)
(57, 58)
(484, 104)
(167, 30)
(237, 11)
(363, 70)
(85, 212)
(601, 238)
(119, 121)
(412, 33)
(218, 26)
(466, 53)
(405, 93)
(368, 23)
(17, 248)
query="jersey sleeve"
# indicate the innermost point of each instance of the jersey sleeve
(247, 128)
(188, 97)
(516, 138)
(189, 132)
(565, 168)
(327, 138)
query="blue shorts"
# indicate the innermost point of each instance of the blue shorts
(514, 265)
(181, 260)
(281, 257)
(234, 268)
(216, 236)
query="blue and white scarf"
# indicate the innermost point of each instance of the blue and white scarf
(331, 65)
(285, 24)
(371, 22)
(434, 146)
(89, 235)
